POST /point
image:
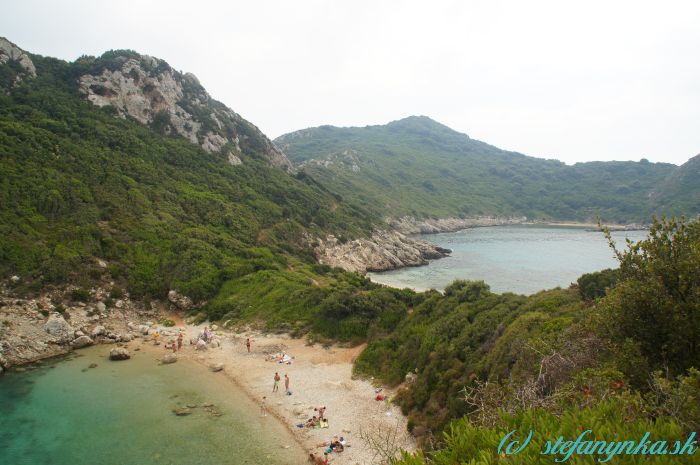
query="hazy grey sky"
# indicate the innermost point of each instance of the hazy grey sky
(576, 81)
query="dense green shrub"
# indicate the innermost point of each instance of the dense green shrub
(612, 420)
(80, 295)
(594, 285)
(655, 305)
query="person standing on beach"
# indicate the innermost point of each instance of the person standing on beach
(247, 344)
(286, 384)
(276, 385)
(263, 408)
(179, 340)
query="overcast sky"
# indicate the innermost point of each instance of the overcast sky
(576, 81)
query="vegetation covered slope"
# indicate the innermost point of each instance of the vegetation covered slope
(419, 167)
(556, 362)
(79, 184)
(680, 192)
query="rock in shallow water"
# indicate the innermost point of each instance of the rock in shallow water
(170, 358)
(181, 412)
(119, 353)
(216, 367)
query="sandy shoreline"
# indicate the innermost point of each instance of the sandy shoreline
(318, 376)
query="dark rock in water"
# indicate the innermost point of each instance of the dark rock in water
(20, 370)
(93, 365)
(181, 412)
(119, 353)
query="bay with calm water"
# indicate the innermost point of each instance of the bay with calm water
(61, 412)
(522, 259)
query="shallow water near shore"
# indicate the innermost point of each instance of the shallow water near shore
(120, 413)
(520, 259)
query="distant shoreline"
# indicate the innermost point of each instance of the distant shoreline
(411, 226)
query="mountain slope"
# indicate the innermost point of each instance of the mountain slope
(81, 186)
(680, 192)
(418, 167)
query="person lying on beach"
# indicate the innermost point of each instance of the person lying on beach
(334, 445)
(321, 410)
(312, 422)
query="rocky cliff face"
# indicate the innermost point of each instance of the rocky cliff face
(150, 91)
(385, 250)
(19, 65)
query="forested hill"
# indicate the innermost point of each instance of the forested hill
(680, 192)
(167, 187)
(418, 167)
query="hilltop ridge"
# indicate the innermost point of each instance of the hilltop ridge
(420, 169)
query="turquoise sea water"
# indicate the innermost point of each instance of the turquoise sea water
(520, 259)
(120, 413)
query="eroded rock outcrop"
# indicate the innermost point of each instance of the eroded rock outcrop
(182, 302)
(58, 327)
(150, 91)
(385, 250)
(10, 54)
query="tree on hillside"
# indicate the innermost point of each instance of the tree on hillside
(655, 307)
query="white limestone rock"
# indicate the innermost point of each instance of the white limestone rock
(82, 341)
(148, 89)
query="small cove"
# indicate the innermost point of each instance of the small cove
(62, 412)
(522, 259)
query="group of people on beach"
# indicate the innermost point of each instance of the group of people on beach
(318, 420)
(335, 445)
(276, 383)
(174, 344)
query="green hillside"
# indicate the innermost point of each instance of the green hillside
(680, 192)
(78, 184)
(416, 166)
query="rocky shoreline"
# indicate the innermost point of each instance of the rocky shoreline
(384, 250)
(410, 225)
(393, 248)
(52, 324)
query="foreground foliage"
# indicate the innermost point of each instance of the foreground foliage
(617, 355)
